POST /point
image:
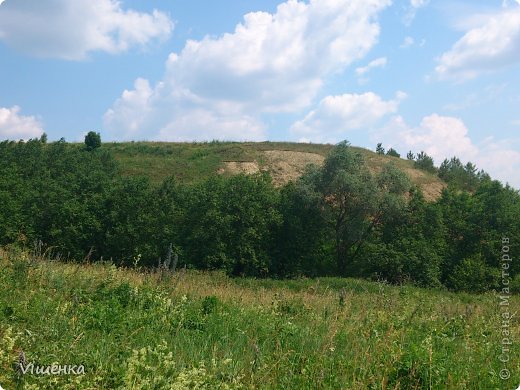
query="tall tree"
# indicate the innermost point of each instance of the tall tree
(353, 201)
(302, 239)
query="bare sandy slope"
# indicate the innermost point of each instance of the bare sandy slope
(287, 165)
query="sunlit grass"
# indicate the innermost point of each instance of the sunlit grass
(192, 162)
(136, 329)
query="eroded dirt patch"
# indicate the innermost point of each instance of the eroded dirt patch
(286, 165)
(431, 189)
(237, 167)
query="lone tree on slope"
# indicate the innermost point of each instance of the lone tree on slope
(92, 140)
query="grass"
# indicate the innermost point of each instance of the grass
(137, 330)
(191, 162)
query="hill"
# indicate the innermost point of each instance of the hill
(341, 220)
(132, 329)
(285, 161)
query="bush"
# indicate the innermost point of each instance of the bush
(473, 275)
(209, 304)
(424, 162)
(92, 140)
(515, 284)
(392, 152)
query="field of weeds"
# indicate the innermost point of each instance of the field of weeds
(131, 329)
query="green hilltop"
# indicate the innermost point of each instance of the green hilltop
(285, 161)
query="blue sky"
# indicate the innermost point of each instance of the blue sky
(440, 76)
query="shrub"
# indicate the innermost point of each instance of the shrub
(92, 140)
(473, 275)
(209, 304)
(424, 162)
(392, 152)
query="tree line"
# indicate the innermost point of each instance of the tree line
(337, 219)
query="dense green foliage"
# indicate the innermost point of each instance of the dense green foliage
(199, 330)
(339, 219)
(463, 177)
(424, 162)
(392, 152)
(92, 140)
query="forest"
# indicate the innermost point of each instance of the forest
(338, 219)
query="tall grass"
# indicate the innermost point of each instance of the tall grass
(141, 330)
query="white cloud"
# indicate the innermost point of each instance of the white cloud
(337, 115)
(129, 112)
(494, 44)
(439, 136)
(419, 3)
(377, 63)
(71, 29)
(507, 3)
(208, 125)
(412, 10)
(14, 126)
(408, 41)
(444, 137)
(271, 63)
(501, 160)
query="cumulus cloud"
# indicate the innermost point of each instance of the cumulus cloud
(14, 126)
(71, 29)
(271, 63)
(210, 124)
(444, 137)
(439, 136)
(501, 160)
(337, 115)
(130, 111)
(377, 63)
(492, 45)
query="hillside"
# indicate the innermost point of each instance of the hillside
(146, 330)
(339, 222)
(190, 162)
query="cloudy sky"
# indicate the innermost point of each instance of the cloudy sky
(441, 76)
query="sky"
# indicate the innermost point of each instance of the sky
(440, 76)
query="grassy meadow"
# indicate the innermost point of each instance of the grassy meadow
(192, 162)
(137, 329)
(189, 162)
